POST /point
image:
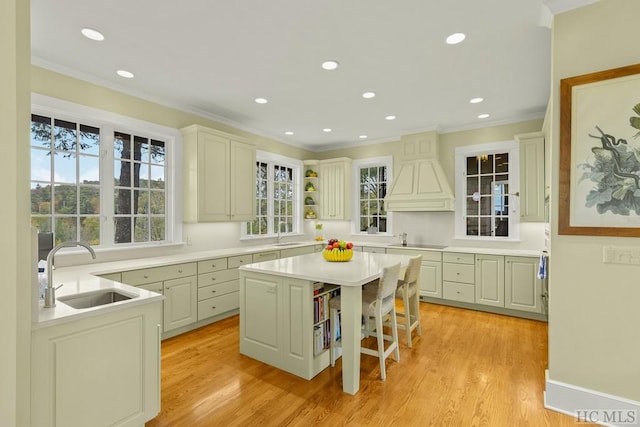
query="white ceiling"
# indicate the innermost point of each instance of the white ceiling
(215, 57)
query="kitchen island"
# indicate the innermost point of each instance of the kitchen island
(277, 310)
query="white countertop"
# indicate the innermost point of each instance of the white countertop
(361, 269)
(83, 278)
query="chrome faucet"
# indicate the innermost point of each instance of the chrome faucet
(280, 229)
(50, 291)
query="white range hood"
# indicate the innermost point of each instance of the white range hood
(421, 184)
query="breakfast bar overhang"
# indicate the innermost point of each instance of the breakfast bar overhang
(276, 310)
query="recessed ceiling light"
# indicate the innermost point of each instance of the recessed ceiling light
(369, 95)
(330, 65)
(288, 132)
(261, 101)
(476, 100)
(327, 130)
(92, 34)
(363, 137)
(483, 116)
(390, 117)
(456, 38)
(124, 73)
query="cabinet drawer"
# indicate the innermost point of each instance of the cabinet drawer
(210, 265)
(217, 290)
(218, 277)
(158, 274)
(237, 261)
(218, 305)
(266, 256)
(155, 287)
(464, 273)
(374, 250)
(458, 292)
(458, 258)
(426, 255)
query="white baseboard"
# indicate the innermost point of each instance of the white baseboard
(590, 406)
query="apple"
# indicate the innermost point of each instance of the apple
(349, 245)
(336, 245)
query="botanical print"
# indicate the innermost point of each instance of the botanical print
(606, 155)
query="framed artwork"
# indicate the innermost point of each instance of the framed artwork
(599, 192)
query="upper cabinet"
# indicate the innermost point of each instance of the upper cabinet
(532, 177)
(219, 176)
(334, 176)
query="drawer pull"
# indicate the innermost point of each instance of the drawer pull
(213, 292)
(213, 266)
(213, 279)
(145, 276)
(180, 271)
(213, 308)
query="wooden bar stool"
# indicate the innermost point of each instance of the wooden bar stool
(375, 305)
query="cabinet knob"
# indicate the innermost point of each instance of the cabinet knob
(213, 279)
(213, 292)
(213, 308)
(145, 276)
(180, 271)
(213, 265)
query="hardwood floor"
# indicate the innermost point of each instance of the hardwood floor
(467, 369)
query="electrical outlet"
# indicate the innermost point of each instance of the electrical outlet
(621, 255)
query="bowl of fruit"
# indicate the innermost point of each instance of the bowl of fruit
(338, 251)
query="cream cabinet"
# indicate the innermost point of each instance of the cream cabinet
(430, 270)
(532, 177)
(302, 250)
(219, 176)
(335, 189)
(523, 288)
(178, 283)
(458, 277)
(374, 249)
(102, 370)
(217, 287)
(180, 307)
(489, 281)
(276, 323)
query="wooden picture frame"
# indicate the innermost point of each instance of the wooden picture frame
(599, 179)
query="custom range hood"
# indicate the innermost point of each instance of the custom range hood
(421, 184)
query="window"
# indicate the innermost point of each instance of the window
(485, 202)
(278, 209)
(94, 181)
(65, 179)
(373, 180)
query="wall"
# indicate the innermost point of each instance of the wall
(593, 308)
(15, 308)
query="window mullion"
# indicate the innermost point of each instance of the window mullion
(106, 186)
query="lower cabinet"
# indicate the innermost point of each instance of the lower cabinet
(180, 308)
(276, 323)
(458, 277)
(102, 370)
(489, 280)
(430, 270)
(523, 288)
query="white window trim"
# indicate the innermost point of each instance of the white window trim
(296, 165)
(356, 165)
(461, 152)
(108, 122)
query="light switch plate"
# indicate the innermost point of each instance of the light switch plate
(621, 255)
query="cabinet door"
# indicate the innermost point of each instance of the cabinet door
(243, 181)
(260, 318)
(213, 177)
(490, 280)
(180, 305)
(431, 279)
(532, 186)
(334, 190)
(523, 289)
(297, 346)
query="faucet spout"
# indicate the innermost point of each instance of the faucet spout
(50, 291)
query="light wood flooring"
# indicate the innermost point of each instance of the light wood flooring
(467, 369)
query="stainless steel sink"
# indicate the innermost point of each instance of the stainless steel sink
(94, 299)
(289, 244)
